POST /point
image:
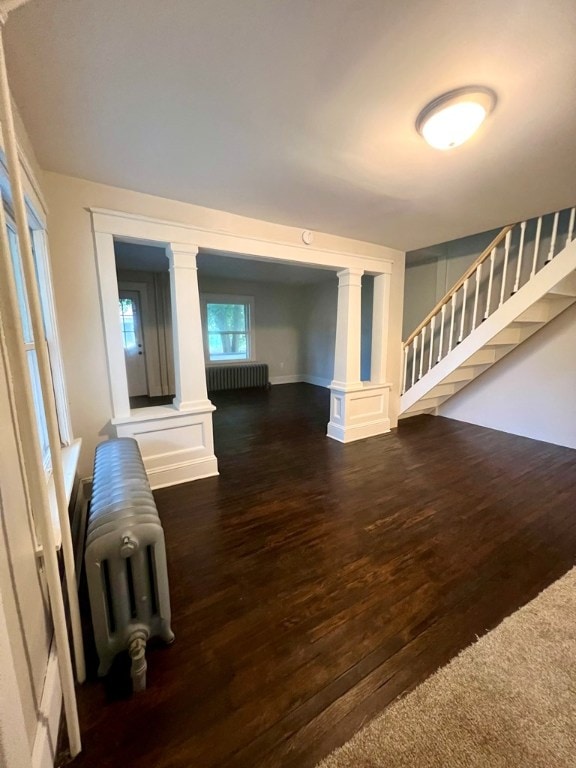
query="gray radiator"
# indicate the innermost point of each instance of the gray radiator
(220, 377)
(125, 559)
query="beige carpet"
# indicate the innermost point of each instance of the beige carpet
(508, 701)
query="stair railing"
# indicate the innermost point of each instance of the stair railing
(500, 271)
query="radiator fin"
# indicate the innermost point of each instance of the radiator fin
(221, 377)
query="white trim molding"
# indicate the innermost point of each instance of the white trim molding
(157, 231)
(177, 445)
(44, 751)
(250, 326)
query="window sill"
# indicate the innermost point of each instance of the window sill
(69, 456)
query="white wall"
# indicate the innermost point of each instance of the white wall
(530, 392)
(76, 285)
(278, 324)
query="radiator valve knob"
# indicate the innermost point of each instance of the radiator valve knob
(129, 546)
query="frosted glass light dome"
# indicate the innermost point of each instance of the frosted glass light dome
(454, 117)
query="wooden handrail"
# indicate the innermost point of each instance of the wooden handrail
(460, 282)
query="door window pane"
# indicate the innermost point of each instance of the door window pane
(127, 319)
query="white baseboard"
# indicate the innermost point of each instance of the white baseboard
(183, 472)
(44, 751)
(300, 378)
(358, 431)
(294, 378)
(318, 381)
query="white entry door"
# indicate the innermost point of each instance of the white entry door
(134, 353)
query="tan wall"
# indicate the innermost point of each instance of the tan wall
(76, 286)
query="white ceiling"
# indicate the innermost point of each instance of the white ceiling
(303, 112)
(255, 270)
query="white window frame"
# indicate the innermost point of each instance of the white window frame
(37, 225)
(40, 242)
(229, 298)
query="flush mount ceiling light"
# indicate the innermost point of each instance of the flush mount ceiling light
(454, 117)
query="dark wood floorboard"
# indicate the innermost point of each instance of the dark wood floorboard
(313, 582)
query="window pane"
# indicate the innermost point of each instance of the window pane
(228, 346)
(127, 320)
(227, 317)
(20, 286)
(228, 331)
(39, 406)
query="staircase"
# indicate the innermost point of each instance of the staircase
(524, 279)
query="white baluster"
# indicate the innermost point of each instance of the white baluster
(405, 374)
(505, 267)
(432, 328)
(571, 226)
(463, 317)
(553, 240)
(452, 322)
(423, 334)
(490, 281)
(520, 249)
(414, 354)
(442, 321)
(536, 247)
(475, 311)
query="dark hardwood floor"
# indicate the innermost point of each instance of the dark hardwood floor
(312, 582)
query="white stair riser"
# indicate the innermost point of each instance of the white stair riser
(549, 292)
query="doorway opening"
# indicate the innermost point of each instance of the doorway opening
(146, 320)
(259, 312)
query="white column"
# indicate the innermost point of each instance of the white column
(177, 443)
(189, 365)
(348, 329)
(109, 297)
(359, 409)
(380, 327)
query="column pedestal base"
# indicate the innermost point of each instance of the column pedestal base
(176, 446)
(358, 412)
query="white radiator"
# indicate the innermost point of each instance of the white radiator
(125, 559)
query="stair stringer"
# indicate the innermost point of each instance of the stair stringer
(420, 397)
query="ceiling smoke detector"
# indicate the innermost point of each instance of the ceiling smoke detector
(454, 117)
